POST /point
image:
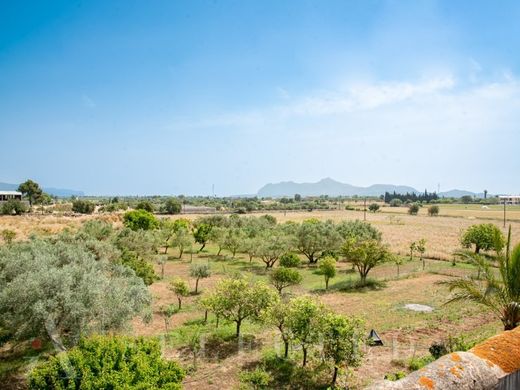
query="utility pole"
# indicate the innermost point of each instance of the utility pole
(365, 210)
(504, 212)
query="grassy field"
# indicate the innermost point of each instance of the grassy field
(406, 333)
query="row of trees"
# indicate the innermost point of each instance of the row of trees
(262, 238)
(301, 321)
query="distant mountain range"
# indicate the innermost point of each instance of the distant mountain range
(332, 187)
(61, 192)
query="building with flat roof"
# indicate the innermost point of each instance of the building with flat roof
(509, 199)
(9, 195)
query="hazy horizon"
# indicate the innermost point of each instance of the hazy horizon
(175, 97)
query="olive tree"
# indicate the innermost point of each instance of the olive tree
(238, 300)
(313, 237)
(199, 271)
(60, 291)
(273, 243)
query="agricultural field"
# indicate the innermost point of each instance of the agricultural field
(407, 334)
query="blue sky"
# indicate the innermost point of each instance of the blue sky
(170, 97)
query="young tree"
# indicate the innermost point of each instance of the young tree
(31, 190)
(201, 234)
(237, 300)
(199, 271)
(398, 260)
(421, 248)
(304, 322)
(342, 341)
(8, 236)
(140, 220)
(433, 210)
(500, 294)
(233, 240)
(413, 248)
(109, 362)
(250, 246)
(181, 290)
(327, 267)
(278, 315)
(373, 207)
(165, 233)
(282, 277)
(365, 255)
(485, 236)
(181, 239)
(167, 313)
(217, 236)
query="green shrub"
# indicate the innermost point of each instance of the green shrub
(83, 206)
(417, 363)
(140, 220)
(433, 210)
(290, 260)
(256, 379)
(13, 206)
(144, 205)
(396, 202)
(395, 376)
(413, 209)
(141, 267)
(109, 362)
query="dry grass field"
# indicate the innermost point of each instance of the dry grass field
(406, 333)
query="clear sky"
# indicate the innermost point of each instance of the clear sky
(170, 97)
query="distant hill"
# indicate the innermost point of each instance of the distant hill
(332, 187)
(328, 187)
(61, 192)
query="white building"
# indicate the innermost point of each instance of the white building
(509, 199)
(8, 195)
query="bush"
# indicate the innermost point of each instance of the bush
(109, 362)
(373, 207)
(433, 210)
(144, 205)
(396, 202)
(172, 206)
(290, 260)
(395, 376)
(416, 363)
(257, 379)
(13, 206)
(140, 220)
(83, 206)
(141, 267)
(413, 209)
